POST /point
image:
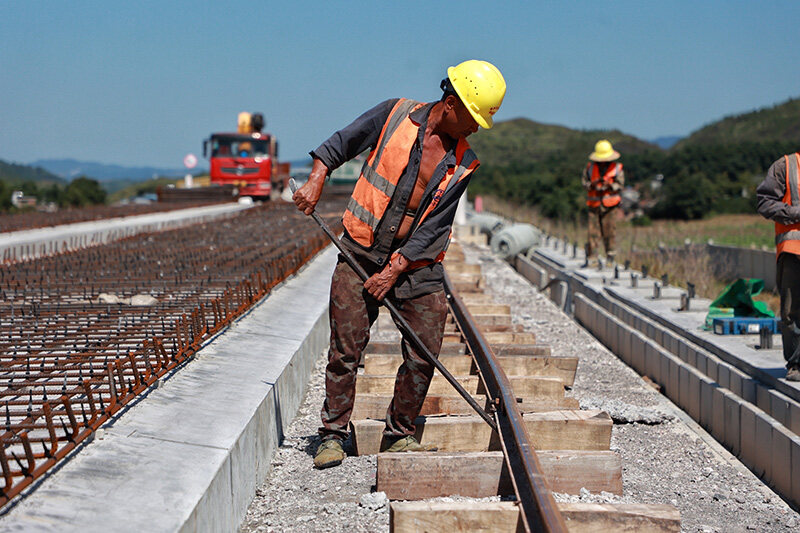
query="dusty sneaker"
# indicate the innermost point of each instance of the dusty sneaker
(408, 444)
(793, 374)
(329, 453)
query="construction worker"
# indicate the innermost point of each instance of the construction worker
(779, 200)
(397, 225)
(603, 180)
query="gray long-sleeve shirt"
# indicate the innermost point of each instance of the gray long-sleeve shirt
(427, 239)
(770, 195)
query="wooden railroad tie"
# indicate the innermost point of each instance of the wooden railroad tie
(501, 517)
(551, 430)
(572, 445)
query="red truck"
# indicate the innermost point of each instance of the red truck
(247, 159)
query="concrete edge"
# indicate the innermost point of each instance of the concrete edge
(129, 476)
(275, 411)
(768, 448)
(39, 242)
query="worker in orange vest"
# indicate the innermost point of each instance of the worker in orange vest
(603, 180)
(779, 200)
(397, 225)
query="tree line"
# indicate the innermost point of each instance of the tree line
(698, 180)
(81, 191)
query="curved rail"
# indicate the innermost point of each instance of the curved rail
(539, 510)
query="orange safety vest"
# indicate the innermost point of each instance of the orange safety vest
(787, 237)
(383, 169)
(607, 197)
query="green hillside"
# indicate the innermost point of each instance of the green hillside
(522, 141)
(777, 123)
(541, 164)
(714, 170)
(14, 173)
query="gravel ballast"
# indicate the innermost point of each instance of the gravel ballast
(666, 458)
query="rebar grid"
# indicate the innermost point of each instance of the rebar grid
(70, 358)
(43, 219)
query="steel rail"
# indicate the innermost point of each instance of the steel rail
(539, 510)
(408, 332)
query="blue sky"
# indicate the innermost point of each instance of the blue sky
(142, 83)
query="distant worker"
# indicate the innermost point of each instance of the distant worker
(779, 200)
(397, 225)
(603, 180)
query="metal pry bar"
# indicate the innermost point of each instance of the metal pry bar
(404, 327)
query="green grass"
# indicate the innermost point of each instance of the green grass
(141, 187)
(746, 231)
(640, 244)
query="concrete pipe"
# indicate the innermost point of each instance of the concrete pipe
(487, 223)
(515, 239)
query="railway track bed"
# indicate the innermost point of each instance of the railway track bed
(654, 457)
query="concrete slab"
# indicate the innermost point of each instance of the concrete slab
(763, 463)
(724, 376)
(736, 379)
(637, 352)
(684, 384)
(732, 422)
(706, 402)
(674, 383)
(764, 399)
(189, 456)
(664, 373)
(795, 445)
(737, 350)
(693, 402)
(749, 391)
(780, 407)
(652, 361)
(700, 360)
(42, 241)
(747, 438)
(781, 477)
(718, 414)
(794, 420)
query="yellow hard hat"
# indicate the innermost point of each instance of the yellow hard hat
(603, 151)
(481, 88)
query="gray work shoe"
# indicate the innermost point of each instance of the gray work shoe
(793, 374)
(407, 444)
(329, 453)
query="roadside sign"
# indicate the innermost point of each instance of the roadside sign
(190, 161)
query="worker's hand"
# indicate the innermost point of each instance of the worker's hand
(307, 196)
(379, 284)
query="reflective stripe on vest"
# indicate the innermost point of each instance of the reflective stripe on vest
(608, 198)
(379, 175)
(383, 169)
(787, 237)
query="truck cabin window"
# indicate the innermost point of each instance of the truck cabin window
(242, 147)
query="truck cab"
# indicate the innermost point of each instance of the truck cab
(249, 161)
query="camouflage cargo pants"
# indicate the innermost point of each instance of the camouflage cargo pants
(602, 225)
(352, 313)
